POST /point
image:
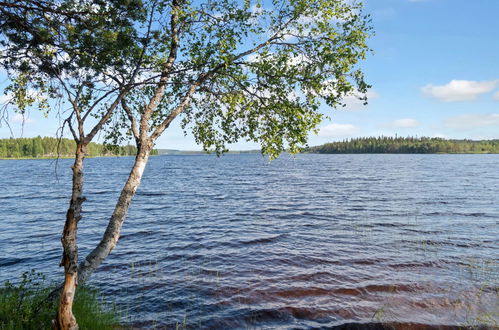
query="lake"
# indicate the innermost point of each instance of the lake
(236, 242)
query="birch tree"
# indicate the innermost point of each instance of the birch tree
(229, 70)
(61, 51)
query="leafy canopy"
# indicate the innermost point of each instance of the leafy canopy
(253, 70)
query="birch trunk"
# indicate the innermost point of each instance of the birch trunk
(65, 318)
(112, 233)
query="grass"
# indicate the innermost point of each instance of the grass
(25, 306)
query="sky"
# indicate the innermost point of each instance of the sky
(434, 72)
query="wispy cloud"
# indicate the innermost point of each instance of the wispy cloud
(20, 119)
(472, 121)
(459, 90)
(384, 13)
(496, 96)
(404, 123)
(4, 98)
(338, 130)
(352, 101)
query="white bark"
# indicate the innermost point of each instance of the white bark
(112, 233)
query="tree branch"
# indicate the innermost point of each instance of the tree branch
(68, 121)
(160, 90)
(201, 79)
(105, 117)
(133, 122)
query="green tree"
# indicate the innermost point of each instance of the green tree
(230, 69)
(407, 145)
(37, 149)
(3, 151)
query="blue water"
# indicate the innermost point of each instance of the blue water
(237, 242)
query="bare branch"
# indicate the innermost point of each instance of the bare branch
(133, 122)
(70, 125)
(92, 107)
(5, 118)
(105, 117)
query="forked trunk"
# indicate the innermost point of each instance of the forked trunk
(65, 318)
(112, 233)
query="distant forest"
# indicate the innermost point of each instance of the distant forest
(46, 147)
(407, 145)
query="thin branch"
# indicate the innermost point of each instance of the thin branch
(201, 79)
(105, 118)
(123, 89)
(133, 122)
(68, 121)
(144, 48)
(5, 118)
(92, 107)
(185, 102)
(160, 90)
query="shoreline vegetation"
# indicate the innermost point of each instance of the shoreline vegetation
(50, 148)
(25, 305)
(407, 145)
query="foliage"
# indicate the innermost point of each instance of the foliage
(253, 70)
(25, 306)
(52, 147)
(409, 145)
(59, 52)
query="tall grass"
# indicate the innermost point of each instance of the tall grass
(25, 306)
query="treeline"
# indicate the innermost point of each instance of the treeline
(41, 147)
(406, 145)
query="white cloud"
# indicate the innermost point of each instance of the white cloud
(338, 130)
(256, 10)
(459, 90)
(384, 13)
(440, 135)
(496, 96)
(472, 121)
(405, 123)
(352, 101)
(4, 98)
(19, 119)
(252, 58)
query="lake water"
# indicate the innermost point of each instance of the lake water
(237, 242)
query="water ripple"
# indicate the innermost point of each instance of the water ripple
(315, 241)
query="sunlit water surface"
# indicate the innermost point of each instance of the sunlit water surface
(238, 242)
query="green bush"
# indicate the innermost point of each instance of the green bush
(26, 306)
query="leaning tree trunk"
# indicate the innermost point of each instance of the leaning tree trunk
(112, 233)
(65, 318)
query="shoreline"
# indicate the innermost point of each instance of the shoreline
(188, 153)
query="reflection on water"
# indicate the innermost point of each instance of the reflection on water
(311, 241)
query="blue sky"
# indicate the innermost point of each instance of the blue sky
(434, 72)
